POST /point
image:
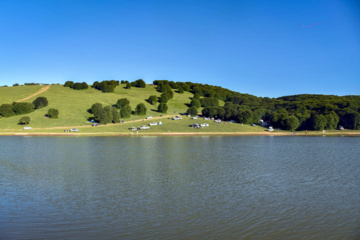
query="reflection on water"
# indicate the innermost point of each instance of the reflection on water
(179, 188)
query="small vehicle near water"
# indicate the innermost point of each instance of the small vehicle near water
(74, 130)
(27, 128)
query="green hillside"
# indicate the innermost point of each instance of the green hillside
(73, 105)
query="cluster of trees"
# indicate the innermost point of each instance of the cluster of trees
(18, 108)
(164, 98)
(121, 109)
(105, 115)
(106, 85)
(76, 86)
(138, 83)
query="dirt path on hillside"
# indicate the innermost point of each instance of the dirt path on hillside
(41, 91)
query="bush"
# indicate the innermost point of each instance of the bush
(195, 103)
(140, 109)
(53, 113)
(7, 110)
(115, 115)
(122, 102)
(95, 108)
(128, 86)
(69, 84)
(40, 102)
(139, 83)
(125, 111)
(192, 111)
(153, 99)
(163, 107)
(23, 107)
(24, 120)
(180, 90)
(291, 123)
(164, 98)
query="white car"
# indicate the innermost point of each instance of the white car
(197, 117)
(153, 124)
(27, 128)
(218, 120)
(149, 117)
(144, 127)
(74, 130)
(204, 125)
(176, 118)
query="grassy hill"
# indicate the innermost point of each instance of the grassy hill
(73, 105)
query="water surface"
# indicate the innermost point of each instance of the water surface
(237, 187)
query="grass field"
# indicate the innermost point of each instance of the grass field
(73, 107)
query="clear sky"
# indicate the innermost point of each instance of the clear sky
(265, 48)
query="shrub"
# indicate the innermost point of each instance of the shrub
(40, 102)
(192, 111)
(95, 108)
(125, 111)
(53, 113)
(128, 86)
(115, 115)
(140, 109)
(153, 99)
(122, 102)
(180, 90)
(164, 98)
(23, 107)
(163, 107)
(139, 83)
(24, 120)
(195, 102)
(7, 110)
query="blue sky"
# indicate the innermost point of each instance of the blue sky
(265, 48)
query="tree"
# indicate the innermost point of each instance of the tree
(122, 102)
(84, 85)
(7, 110)
(95, 108)
(139, 83)
(115, 115)
(125, 111)
(195, 102)
(332, 120)
(163, 107)
(318, 122)
(23, 107)
(164, 98)
(128, 86)
(15, 85)
(40, 102)
(140, 109)
(180, 89)
(24, 120)
(69, 84)
(53, 113)
(292, 123)
(192, 111)
(245, 116)
(153, 99)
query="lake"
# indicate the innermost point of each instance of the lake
(241, 187)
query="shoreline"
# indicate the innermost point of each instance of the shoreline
(133, 134)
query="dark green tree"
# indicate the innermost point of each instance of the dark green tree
(7, 110)
(125, 111)
(84, 85)
(128, 86)
(23, 107)
(53, 113)
(291, 123)
(192, 111)
(69, 84)
(140, 109)
(24, 120)
(245, 116)
(96, 107)
(115, 115)
(163, 107)
(180, 89)
(164, 98)
(40, 102)
(195, 102)
(318, 122)
(122, 102)
(153, 99)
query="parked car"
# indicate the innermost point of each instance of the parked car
(204, 125)
(96, 124)
(27, 128)
(196, 117)
(153, 124)
(177, 118)
(149, 117)
(341, 127)
(144, 127)
(218, 120)
(253, 125)
(74, 130)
